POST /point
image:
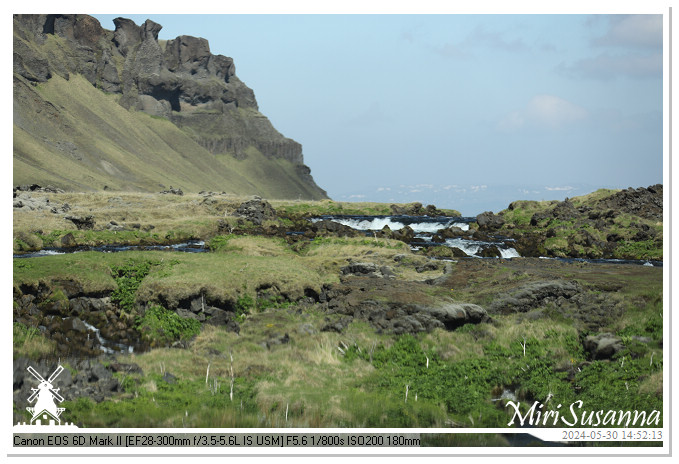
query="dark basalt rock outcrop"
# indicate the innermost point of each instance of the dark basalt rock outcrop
(644, 202)
(533, 295)
(622, 225)
(327, 227)
(367, 270)
(489, 221)
(91, 324)
(82, 222)
(256, 210)
(393, 307)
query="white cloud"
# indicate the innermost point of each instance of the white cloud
(543, 111)
(559, 189)
(632, 48)
(643, 31)
(607, 67)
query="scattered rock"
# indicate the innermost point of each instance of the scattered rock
(603, 346)
(173, 191)
(430, 265)
(454, 315)
(276, 340)
(328, 227)
(37, 188)
(490, 252)
(114, 226)
(82, 223)
(533, 295)
(256, 211)
(337, 325)
(367, 270)
(169, 378)
(489, 221)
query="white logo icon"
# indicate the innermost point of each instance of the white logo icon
(45, 407)
(47, 397)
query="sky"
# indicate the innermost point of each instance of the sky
(466, 111)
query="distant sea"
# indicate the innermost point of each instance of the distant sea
(469, 200)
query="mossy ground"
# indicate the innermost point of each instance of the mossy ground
(579, 236)
(358, 378)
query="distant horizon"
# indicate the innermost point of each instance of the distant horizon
(472, 200)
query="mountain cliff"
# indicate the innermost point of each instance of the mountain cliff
(98, 109)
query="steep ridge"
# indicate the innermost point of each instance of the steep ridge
(97, 109)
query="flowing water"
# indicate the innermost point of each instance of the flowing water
(425, 227)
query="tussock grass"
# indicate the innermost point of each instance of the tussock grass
(29, 342)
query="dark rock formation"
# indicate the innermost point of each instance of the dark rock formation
(644, 202)
(533, 295)
(393, 307)
(327, 227)
(256, 211)
(82, 222)
(173, 191)
(603, 346)
(367, 270)
(489, 221)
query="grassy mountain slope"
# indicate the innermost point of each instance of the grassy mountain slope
(69, 134)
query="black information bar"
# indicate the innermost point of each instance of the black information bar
(168, 440)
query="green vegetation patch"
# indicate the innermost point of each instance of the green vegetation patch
(160, 326)
(153, 401)
(128, 277)
(532, 368)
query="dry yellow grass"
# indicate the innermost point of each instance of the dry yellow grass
(165, 212)
(653, 384)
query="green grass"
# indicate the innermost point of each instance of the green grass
(309, 380)
(161, 327)
(29, 342)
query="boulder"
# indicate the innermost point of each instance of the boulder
(337, 325)
(367, 270)
(532, 295)
(454, 315)
(603, 346)
(490, 252)
(256, 211)
(489, 221)
(328, 227)
(82, 222)
(68, 241)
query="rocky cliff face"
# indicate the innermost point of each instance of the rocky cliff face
(180, 80)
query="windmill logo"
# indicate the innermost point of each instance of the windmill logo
(45, 414)
(47, 397)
